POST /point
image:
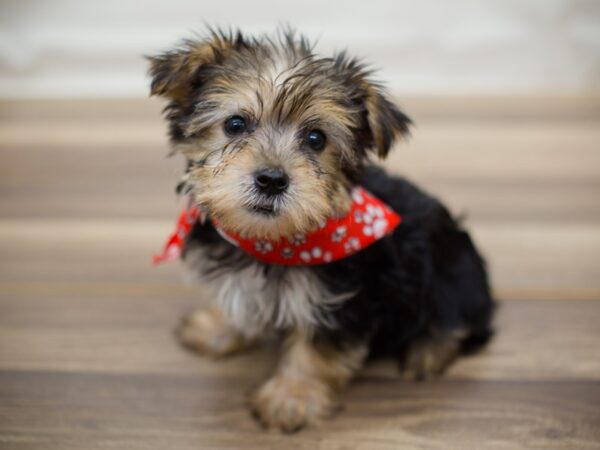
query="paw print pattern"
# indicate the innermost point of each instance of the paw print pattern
(287, 252)
(375, 211)
(380, 227)
(315, 254)
(297, 239)
(369, 217)
(339, 233)
(351, 245)
(263, 247)
(357, 196)
(377, 228)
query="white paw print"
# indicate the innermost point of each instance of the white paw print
(315, 253)
(357, 196)
(297, 239)
(339, 233)
(305, 256)
(352, 244)
(379, 227)
(263, 247)
(375, 211)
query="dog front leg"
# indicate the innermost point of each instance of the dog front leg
(209, 332)
(306, 383)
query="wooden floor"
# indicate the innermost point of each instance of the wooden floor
(87, 358)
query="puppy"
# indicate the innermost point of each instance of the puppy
(298, 234)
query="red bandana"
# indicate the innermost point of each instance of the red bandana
(368, 220)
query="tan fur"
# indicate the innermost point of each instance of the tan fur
(182, 66)
(208, 332)
(283, 91)
(305, 386)
(430, 357)
(223, 183)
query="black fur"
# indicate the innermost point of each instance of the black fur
(423, 279)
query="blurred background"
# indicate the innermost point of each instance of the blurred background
(505, 95)
(71, 48)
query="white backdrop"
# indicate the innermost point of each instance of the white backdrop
(92, 48)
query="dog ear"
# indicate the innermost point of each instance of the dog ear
(175, 73)
(382, 121)
(385, 121)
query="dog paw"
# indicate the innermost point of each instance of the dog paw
(206, 332)
(291, 404)
(429, 359)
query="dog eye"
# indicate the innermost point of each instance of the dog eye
(315, 139)
(235, 125)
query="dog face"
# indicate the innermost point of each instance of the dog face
(274, 135)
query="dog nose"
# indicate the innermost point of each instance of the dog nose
(271, 181)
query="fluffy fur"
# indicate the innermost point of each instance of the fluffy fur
(419, 295)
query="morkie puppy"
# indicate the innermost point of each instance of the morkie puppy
(298, 234)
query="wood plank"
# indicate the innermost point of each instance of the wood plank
(532, 177)
(127, 328)
(540, 255)
(473, 152)
(83, 369)
(84, 251)
(497, 151)
(534, 259)
(531, 168)
(505, 108)
(446, 108)
(98, 411)
(84, 109)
